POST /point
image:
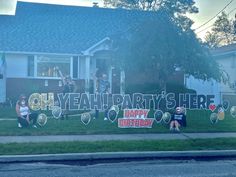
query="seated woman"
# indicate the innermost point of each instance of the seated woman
(23, 113)
(178, 119)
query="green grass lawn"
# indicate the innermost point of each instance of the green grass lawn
(117, 146)
(197, 121)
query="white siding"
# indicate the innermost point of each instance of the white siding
(228, 65)
(16, 65)
(204, 87)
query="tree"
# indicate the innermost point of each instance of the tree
(222, 32)
(177, 9)
(212, 39)
(159, 47)
(235, 25)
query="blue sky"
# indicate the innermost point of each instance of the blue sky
(207, 9)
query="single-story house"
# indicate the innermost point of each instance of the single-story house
(226, 58)
(78, 40)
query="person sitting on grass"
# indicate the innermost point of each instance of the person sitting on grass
(24, 116)
(178, 119)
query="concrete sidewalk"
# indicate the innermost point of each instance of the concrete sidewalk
(92, 138)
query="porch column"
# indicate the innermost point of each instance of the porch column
(110, 77)
(87, 74)
(122, 82)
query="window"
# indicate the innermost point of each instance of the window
(31, 65)
(46, 66)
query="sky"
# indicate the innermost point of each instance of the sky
(207, 9)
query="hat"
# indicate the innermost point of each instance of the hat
(22, 96)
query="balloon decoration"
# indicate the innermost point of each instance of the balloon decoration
(184, 111)
(214, 118)
(113, 113)
(85, 118)
(166, 117)
(56, 112)
(42, 119)
(158, 116)
(225, 105)
(233, 111)
(221, 113)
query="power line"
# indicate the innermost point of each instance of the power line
(231, 11)
(213, 24)
(214, 16)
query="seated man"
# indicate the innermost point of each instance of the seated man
(178, 119)
(23, 113)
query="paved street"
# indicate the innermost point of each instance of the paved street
(131, 169)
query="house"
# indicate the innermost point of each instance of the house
(226, 58)
(77, 40)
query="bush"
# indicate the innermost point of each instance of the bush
(142, 88)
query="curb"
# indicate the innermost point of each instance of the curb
(119, 156)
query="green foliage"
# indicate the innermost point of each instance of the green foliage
(222, 32)
(178, 88)
(212, 40)
(172, 6)
(177, 9)
(159, 47)
(142, 88)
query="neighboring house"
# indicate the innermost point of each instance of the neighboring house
(41, 37)
(226, 58)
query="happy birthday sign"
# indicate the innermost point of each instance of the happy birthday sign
(135, 118)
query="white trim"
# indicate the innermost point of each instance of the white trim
(40, 53)
(35, 65)
(78, 71)
(71, 67)
(90, 51)
(40, 78)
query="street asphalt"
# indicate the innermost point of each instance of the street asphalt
(115, 155)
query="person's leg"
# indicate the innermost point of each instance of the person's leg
(177, 125)
(67, 111)
(96, 114)
(33, 117)
(172, 125)
(106, 114)
(23, 122)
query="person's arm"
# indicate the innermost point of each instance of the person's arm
(27, 118)
(108, 87)
(18, 110)
(61, 75)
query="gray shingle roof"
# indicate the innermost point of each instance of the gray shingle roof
(62, 29)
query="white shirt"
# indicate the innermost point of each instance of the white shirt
(24, 110)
